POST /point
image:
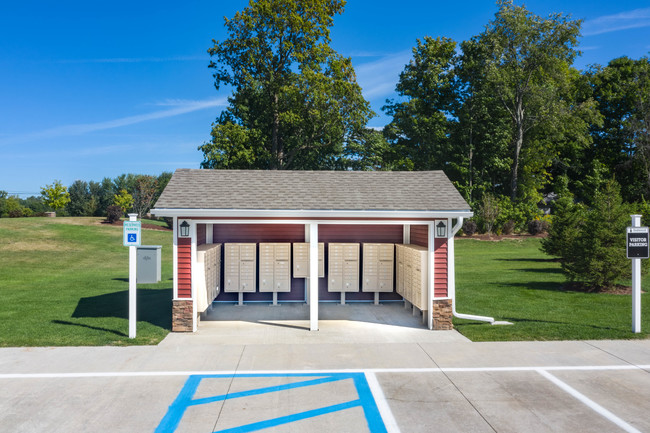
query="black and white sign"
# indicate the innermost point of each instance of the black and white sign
(637, 243)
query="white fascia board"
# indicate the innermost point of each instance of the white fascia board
(310, 214)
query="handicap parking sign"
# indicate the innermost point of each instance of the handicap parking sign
(132, 230)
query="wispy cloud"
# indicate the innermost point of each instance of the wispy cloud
(613, 23)
(378, 78)
(137, 59)
(85, 128)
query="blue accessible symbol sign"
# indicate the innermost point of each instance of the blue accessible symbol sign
(132, 231)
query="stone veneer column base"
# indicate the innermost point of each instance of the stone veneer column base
(442, 315)
(182, 315)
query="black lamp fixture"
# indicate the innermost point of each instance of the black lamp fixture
(441, 230)
(185, 229)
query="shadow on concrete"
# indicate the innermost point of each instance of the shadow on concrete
(153, 305)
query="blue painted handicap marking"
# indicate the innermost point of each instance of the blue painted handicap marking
(365, 400)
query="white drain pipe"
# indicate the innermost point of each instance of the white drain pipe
(452, 277)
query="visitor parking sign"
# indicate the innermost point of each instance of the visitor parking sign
(637, 243)
(132, 233)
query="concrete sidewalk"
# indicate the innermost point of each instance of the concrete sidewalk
(280, 377)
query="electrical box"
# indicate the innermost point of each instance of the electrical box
(378, 260)
(275, 267)
(240, 267)
(148, 264)
(343, 267)
(301, 260)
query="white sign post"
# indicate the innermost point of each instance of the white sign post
(637, 248)
(132, 239)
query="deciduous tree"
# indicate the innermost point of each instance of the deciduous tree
(295, 102)
(56, 195)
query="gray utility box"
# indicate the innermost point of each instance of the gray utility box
(148, 259)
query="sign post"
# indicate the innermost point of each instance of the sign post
(637, 249)
(132, 238)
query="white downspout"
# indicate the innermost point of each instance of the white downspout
(452, 277)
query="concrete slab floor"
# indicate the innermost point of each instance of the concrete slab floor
(424, 380)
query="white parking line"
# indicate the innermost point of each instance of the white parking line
(382, 404)
(590, 403)
(356, 370)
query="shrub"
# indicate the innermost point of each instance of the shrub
(535, 227)
(590, 243)
(469, 227)
(169, 221)
(16, 213)
(488, 212)
(509, 227)
(113, 214)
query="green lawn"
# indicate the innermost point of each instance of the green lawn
(513, 280)
(64, 282)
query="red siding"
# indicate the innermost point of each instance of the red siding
(184, 268)
(360, 233)
(258, 233)
(200, 234)
(420, 235)
(440, 268)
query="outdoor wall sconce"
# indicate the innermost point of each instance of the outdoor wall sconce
(185, 229)
(441, 230)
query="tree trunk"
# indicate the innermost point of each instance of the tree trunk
(275, 160)
(518, 143)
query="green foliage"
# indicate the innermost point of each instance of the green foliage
(488, 212)
(419, 131)
(144, 193)
(591, 242)
(80, 198)
(123, 200)
(56, 196)
(622, 141)
(295, 101)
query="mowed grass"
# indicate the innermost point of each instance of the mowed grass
(513, 280)
(64, 282)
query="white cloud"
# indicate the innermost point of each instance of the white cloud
(612, 23)
(85, 128)
(378, 78)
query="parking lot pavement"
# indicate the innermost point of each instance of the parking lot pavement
(313, 382)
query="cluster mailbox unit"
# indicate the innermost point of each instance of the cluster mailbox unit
(240, 268)
(388, 234)
(343, 267)
(301, 260)
(412, 274)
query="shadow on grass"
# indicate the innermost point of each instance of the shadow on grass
(536, 285)
(521, 259)
(96, 328)
(154, 306)
(541, 270)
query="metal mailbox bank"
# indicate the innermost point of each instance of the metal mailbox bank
(148, 259)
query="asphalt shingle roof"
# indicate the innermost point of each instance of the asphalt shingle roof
(311, 190)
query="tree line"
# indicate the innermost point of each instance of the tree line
(505, 114)
(107, 198)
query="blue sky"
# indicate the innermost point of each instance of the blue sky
(94, 89)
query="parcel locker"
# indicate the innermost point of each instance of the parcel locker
(343, 267)
(301, 260)
(275, 267)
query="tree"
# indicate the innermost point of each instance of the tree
(526, 64)
(123, 200)
(56, 196)
(3, 203)
(591, 243)
(622, 141)
(79, 198)
(295, 101)
(419, 130)
(144, 194)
